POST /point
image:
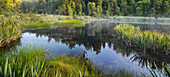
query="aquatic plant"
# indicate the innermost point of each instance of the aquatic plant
(37, 25)
(10, 30)
(163, 72)
(71, 22)
(155, 41)
(28, 62)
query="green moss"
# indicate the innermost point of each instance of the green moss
(36, 25)
(71, 22)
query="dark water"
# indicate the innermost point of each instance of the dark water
(97, 39)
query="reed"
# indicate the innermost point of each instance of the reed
(10, 30)
(155, 41)
(31, 62)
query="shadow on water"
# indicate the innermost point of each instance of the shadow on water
(143, 57)
(12, 45)
(97, 38)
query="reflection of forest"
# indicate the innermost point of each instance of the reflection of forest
(96, 35)
(93, 35)
(143, 57)
(162, 28)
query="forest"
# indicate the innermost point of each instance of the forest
(96, 8)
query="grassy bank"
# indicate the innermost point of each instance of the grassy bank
(71, 22)
(10, 30)
(155, 41)
(37, 25)
(31, 62)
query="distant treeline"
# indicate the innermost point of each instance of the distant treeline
(97, 8)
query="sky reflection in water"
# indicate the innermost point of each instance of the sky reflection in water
(97, 39)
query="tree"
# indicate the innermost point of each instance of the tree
(2, 6)
(44, 5)
(124, 7)
(99, 7)
(80, 9)
(70, 11)
(132, 7)
(165, 8)
(91, 9)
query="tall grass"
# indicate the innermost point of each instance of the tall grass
(41, 18)
(10, 30)
(31, 62)
(155, 41)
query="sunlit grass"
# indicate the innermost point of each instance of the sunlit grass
(26, 61)
(36, 25)
(71, 66)
(72, 22)
(10, 30)
(156, 41)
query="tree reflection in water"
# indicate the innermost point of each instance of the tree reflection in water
(95, 35)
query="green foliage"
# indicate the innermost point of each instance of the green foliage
(144, 39)
(92, 9)
(154, 8)
(70, 11)
(80, 9)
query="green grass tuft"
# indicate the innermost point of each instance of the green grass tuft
(155, 41)
(28, 62)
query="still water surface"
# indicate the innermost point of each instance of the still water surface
(96, 38)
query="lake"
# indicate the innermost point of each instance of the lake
(97, 39)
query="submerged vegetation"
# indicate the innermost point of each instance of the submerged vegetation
(10, 30)
(37, 25)
(156, 41)
(31, 62)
